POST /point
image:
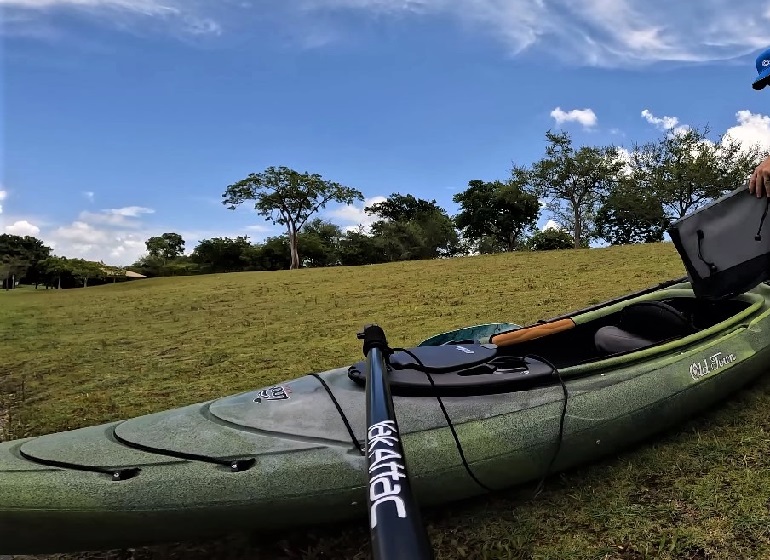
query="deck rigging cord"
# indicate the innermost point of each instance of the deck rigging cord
(425, 369)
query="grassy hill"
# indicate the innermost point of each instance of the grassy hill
(80, 357)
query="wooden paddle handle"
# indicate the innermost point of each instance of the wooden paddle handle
(531, 333)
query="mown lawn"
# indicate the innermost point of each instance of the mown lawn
(80, 357)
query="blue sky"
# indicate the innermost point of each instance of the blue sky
(128, 118)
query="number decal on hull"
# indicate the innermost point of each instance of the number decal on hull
(277, 393)
(712, 363)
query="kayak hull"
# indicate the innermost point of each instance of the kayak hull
(291, 455)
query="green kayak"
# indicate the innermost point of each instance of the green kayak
(519, 402)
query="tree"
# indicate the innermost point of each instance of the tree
(223, 254)
(150, 265)
(496, 214)
(84, 269)
(357, 248)
(288, 198)
(413, 228)
(686, 170)
(403, 208)
(319, 242)
(167, 246)
(20, 258)
(551, 239)
(574, 182)
(54, 268)
(631, 215)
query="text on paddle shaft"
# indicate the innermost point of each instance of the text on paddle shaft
(707, 365)
(388, 465)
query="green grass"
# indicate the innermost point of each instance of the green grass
(73, 358)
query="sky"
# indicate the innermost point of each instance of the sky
(125, 119)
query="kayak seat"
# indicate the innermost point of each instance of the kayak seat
(640, 325)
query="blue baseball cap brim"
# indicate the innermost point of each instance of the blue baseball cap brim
(762, 80)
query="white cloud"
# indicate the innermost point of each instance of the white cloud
(3, 195)
(100, 242)
(106, 237)
(115, 235)
(665, 123)
(22, 228)
(586, 117)
(589, 32)
(89, 195)
(81, 233)
(752, 129)
(550, 224)
(624, 155)
(353, 216)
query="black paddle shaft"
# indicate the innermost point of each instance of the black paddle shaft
(397, 532)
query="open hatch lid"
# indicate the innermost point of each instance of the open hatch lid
(725, 245)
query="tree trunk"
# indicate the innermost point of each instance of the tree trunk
(293, 247)
(59, 286)
(578, 228)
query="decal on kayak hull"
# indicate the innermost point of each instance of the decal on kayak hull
(710, 364)
(277, 393)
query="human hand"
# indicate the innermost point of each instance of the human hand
(759, 184)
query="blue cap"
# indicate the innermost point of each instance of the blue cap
(763, 69)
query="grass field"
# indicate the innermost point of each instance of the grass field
(80, 357)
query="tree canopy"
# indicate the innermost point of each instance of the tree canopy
(686, 170)
(574, 182)
(289, 198)
(497, 210)
(631, 215)
(167, 246)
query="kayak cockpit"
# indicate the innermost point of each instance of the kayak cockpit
(667, 317)
(596, 338)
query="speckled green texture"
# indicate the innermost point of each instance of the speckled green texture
(307, 468)
(92, 446)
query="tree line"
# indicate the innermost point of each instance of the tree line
(593, 193)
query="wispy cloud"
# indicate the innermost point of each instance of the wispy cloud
(116, 217)
(36, 17)
(594, 32)
(607, 33)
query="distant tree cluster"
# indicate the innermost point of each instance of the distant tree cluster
(593, 193)
(28, 260)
